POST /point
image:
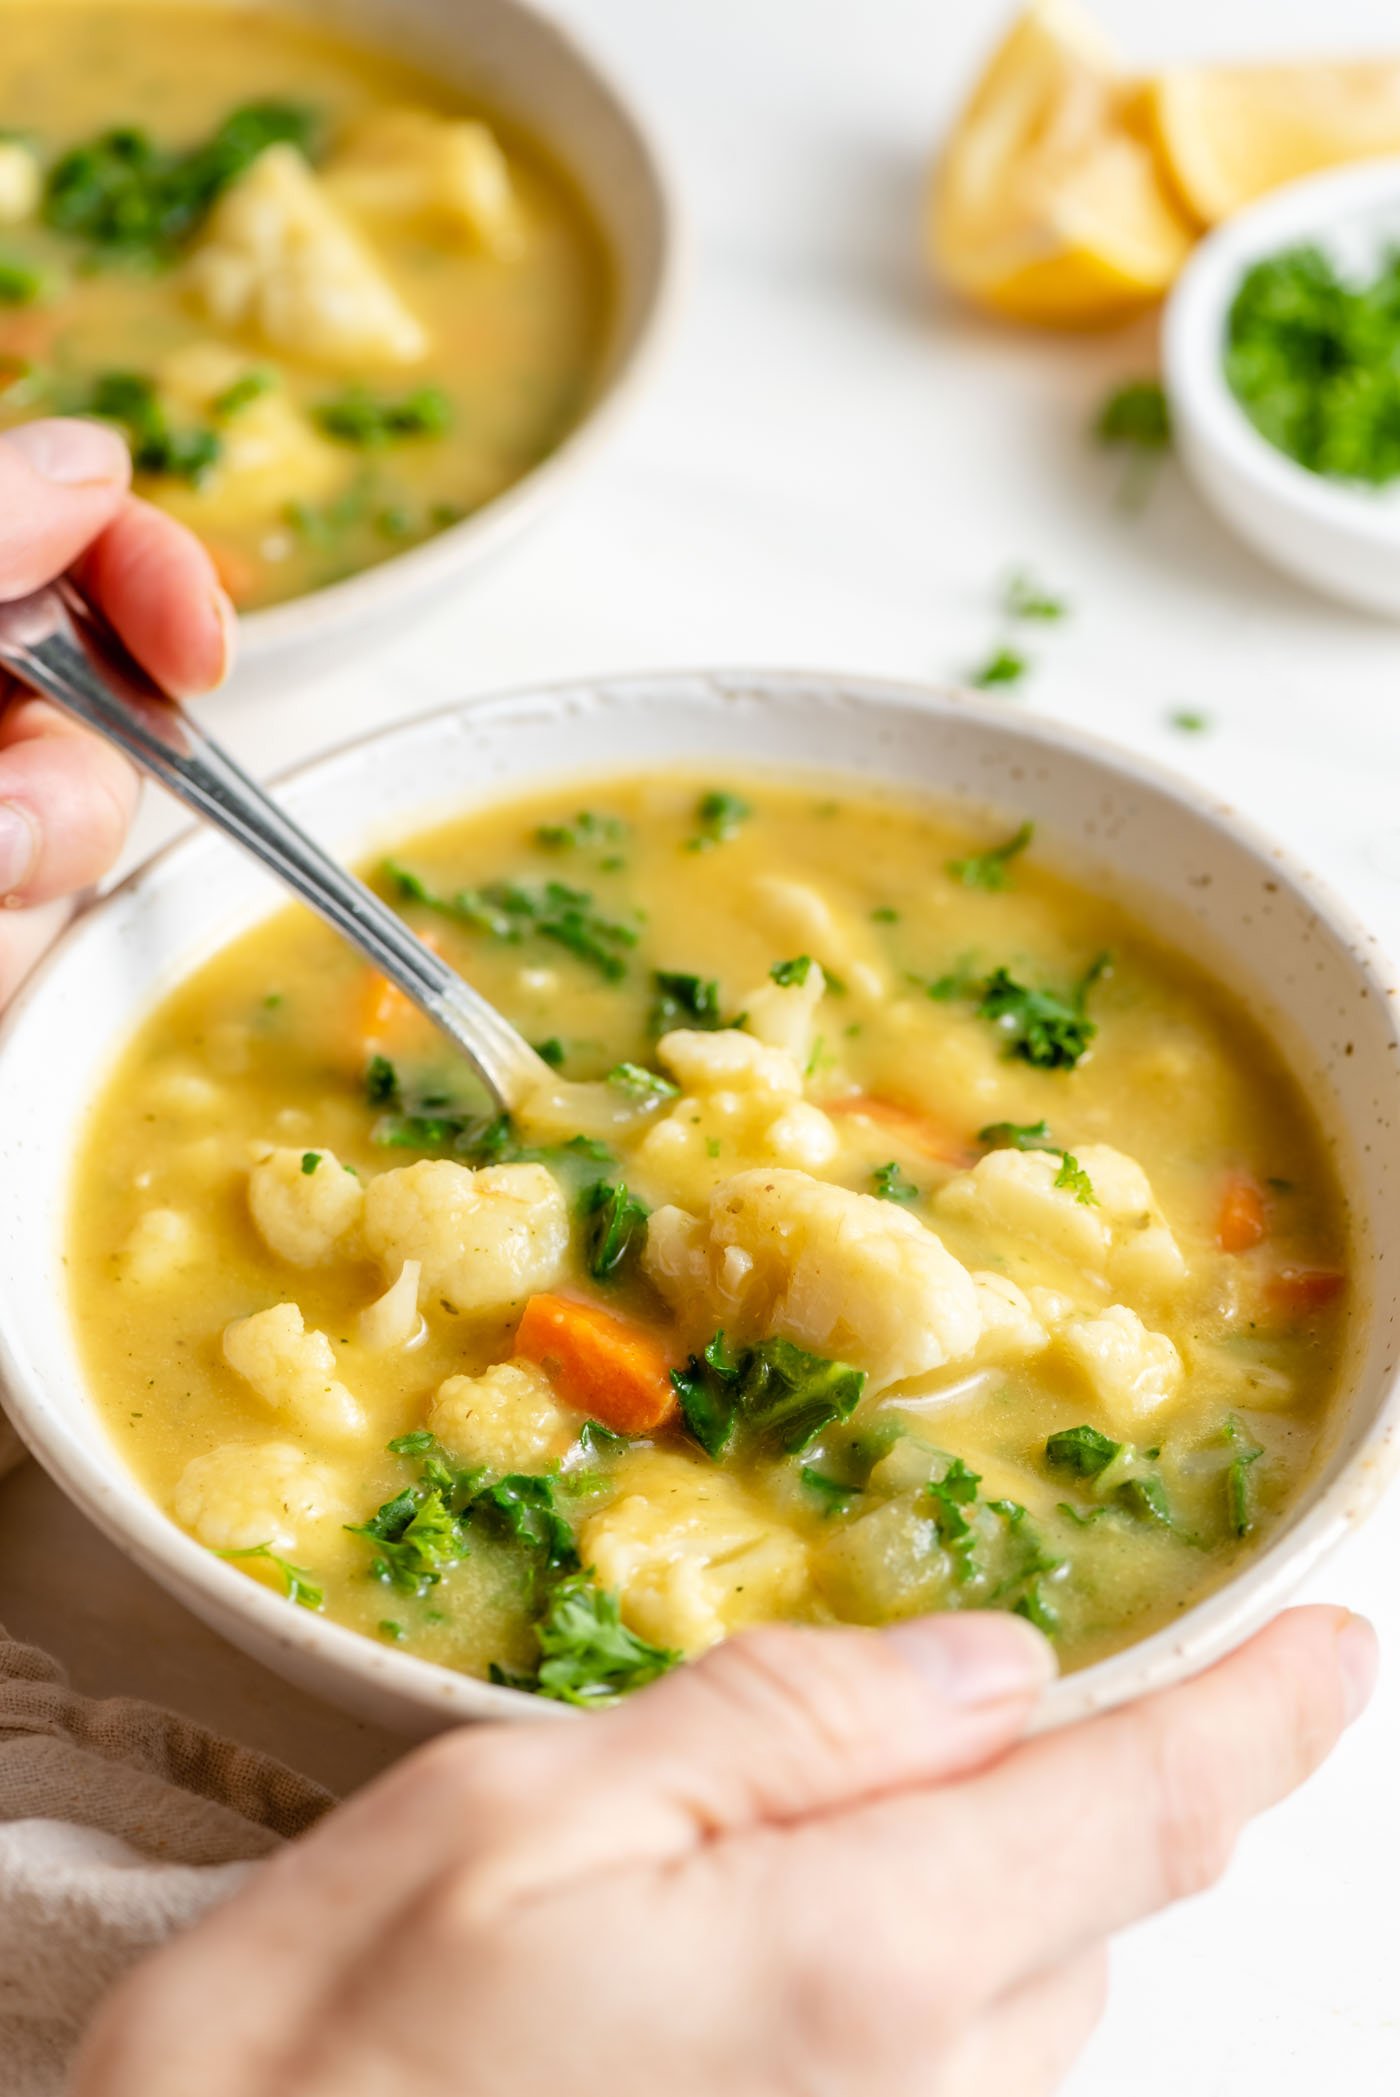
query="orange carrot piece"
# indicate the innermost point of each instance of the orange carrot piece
(1299, 1291)
(600, 1364)
(921, 1132)
(1242, 1220)
(385, 1010)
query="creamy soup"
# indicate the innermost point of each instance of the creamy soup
(906, 1230)
(333, 309)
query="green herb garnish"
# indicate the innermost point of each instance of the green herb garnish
(510, 911)
(891, 1185)
(21, 283)
(130, 399)
(777, 1392)
(298, 1586)
(1082, 1450)
(1004, 666)
(369, 420)
(310, 1159)
(1017, 1135)
(686, 1001)
(989, 869)
(1136, 419)
(614, 1226)
(1042, 1027)
(587, 1654)
(1023, 598)
(719, 815)
(791, 974)
(1076, 1181)
(640, 1083)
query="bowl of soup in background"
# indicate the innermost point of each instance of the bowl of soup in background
(1191, 874)
(545, 341)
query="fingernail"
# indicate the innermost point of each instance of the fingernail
(1359, 1656)
(71, 453)
(981, 1657)
(228, 631)
(19, 847)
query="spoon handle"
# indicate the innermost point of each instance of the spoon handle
(54, 642)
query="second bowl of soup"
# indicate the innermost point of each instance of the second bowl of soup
(923, 1217)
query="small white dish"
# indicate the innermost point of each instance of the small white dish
(1191, 869)
(519, 62)
(1339, 536)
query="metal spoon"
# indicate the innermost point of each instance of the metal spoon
(55, 642)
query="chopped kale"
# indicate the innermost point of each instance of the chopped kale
(310, 1159)
(718, 816)
(834, 1497)
(1017, 1135)
(614, 1227)
(585, 829)
(131, 400)
(788, 974)
(685, 1001)
(640, 1083)
(1239, 1495)
(587, 1654)
(775, 1391)
(1082, 1450)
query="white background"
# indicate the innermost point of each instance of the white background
(836, 470)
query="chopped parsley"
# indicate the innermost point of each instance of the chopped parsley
(1023, 598)
(131, 400)
(891, 1185)
(587, 1654)
(1004, 666)
(686, 1001)
(791, 974)
(718, 816)
(368, 420)
(641, 1084)
(1135, 419)
(134, 201)
(511, 911)
(884, 914)
(381, 1081)
(1312, 355)
(1043, 1027)
(585, 829)
(245, 390)
(310, 1159)
(614, 1226)
(21, 284)
(1076, 1181)
(1017, 1135)
(552, 1051)
(1187, 721)
(989, 869)
(298, 1586)
(423, 1530)
(776, 1392)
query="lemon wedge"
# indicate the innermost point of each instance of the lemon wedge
(1228, 134)
(1047, 204)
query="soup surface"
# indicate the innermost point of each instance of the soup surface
(332, 309)
(905, 1231)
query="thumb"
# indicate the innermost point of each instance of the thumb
(61, 484)
(777, 1726)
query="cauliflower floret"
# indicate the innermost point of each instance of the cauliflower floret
(743, 1100)
(305, 1203)
(293, 1370)
(1121, 1234)
(805, 922)
(784, 1014)
(1010, 1328)
(691, 1557)
(508, 1418)
(410, 164)
(728, 1061)
(21, 183)
(1133, 1372)
(394, 1319)
(846, 1275)
(270, 452)
(278, 258)
(485, 1239)
(243, 1494)
(164, 1242)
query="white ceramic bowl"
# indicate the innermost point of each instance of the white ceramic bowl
(1339, 536)
(1208, 883)
(526, 66)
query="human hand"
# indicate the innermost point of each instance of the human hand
(66, 799)
(816, 1863)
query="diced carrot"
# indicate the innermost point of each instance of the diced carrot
(1242, 1220)
(385, 1010)
(602, 1365)
(920, 1131)
(1299, 1291)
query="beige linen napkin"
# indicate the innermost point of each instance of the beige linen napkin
(119, 1824)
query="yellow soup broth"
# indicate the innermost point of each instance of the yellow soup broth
(998, 1259)
(333, 308)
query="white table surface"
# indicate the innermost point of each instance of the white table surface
(834, 469)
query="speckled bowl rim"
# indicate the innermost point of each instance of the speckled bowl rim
(345, 1663)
